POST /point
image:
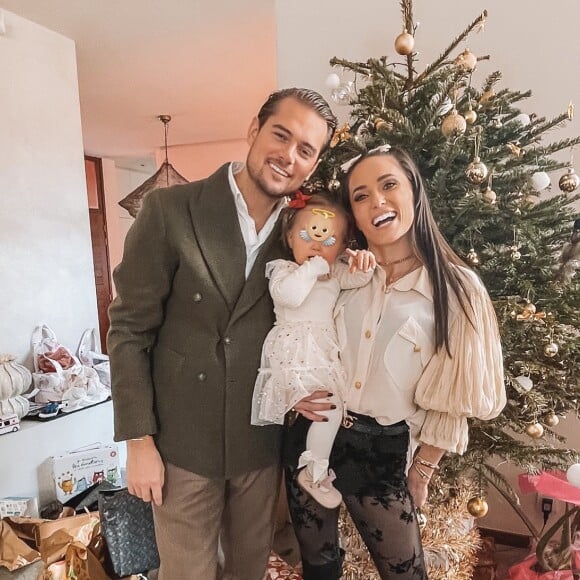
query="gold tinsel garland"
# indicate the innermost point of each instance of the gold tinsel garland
(449, 539)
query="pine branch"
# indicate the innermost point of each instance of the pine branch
(432, 67)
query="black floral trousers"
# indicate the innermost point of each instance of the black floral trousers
(370, 470)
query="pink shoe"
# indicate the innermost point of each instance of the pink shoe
(322, 491)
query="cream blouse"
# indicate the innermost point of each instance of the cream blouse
(387, 346)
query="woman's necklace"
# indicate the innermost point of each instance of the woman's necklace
(399, 261)
(392, 278)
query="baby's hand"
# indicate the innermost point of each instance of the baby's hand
(319, 265)
(362, 260)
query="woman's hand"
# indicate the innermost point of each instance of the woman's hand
(418, 487)
(310, 406)
(362, 260)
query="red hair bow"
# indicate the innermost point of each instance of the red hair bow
(299, 200)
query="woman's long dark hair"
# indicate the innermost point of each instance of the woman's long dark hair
(429, 245)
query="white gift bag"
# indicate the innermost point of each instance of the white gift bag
(89, 355)
(60, 376)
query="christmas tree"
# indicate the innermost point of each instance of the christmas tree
(485, 164)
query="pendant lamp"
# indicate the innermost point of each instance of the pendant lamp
(165, 176)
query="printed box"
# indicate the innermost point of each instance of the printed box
(75, 471)
(18, 506)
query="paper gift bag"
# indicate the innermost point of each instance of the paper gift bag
(51, 537)
(14, 553)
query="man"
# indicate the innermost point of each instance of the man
(185, 340)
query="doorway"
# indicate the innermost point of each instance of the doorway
(98, 221)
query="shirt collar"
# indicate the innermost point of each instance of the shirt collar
(234, 168)
(417, 280)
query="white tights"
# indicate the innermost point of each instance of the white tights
(320, 440)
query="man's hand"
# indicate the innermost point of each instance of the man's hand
(145, 470)
(310, 406)
(362, 260)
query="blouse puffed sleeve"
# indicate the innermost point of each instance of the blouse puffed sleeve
(290, 283)
(470, 382)
(349, 280)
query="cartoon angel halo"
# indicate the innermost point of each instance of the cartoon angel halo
(319, 227)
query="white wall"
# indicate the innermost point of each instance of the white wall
(534, 47)
(46, 269)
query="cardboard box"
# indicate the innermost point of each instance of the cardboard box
(18, 506)
(75, 471)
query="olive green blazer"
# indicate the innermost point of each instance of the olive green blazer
(187, 330)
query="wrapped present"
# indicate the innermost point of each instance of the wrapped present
(278, 569)
(529, 569)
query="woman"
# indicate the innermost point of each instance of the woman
(421, 349)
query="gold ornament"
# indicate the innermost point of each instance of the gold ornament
(535, 430)
(472, 257)
(404, 43)
(476, 171)
(551, 419)
(529, 313)
(470, 116)
(515, 149)
(477, 507)
(570, 111)
(340, 135)
(490, 196)
(551, 350)
(453, 125)
(466, 61)
(382, 125)
(569, 181)
(496, 122)
(333, 185)
(486, 97)
(515, 253)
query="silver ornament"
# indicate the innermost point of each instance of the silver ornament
(476, 171)
(569, 181)
(551, 350)
(333, 185)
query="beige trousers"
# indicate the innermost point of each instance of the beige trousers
(202, 517)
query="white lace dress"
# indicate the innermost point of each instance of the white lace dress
(300, 354)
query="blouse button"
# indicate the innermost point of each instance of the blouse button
(358, 385)
(417, 348)
(197, 297)
(201, 377)
(368, 334)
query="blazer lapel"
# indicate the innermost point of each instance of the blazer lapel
(256, 284)
(217, 229)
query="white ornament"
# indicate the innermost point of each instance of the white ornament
(525, 382)
(343, 93)
(522, 119)
(444, 107)
(573, 474)
(332, 81)
(540, 180)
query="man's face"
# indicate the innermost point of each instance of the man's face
(284, 151)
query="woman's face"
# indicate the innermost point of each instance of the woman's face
(381, 198)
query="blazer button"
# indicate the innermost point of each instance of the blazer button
(201, 377)
(358, 385)
(227, 340)
(197, 297)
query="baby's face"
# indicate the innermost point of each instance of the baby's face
(317, 231)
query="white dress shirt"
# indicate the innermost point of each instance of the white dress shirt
(387, 340)
(252, 239)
